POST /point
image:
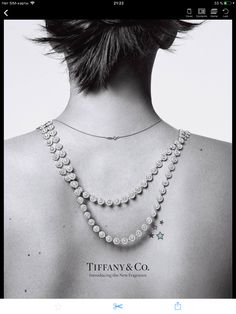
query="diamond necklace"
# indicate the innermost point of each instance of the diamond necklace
(131, 196)
(66, 169)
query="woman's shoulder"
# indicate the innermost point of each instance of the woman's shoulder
(207, 169)
(26, 163)
(208, 163)
(24, 141)
(213, 145)
(24, 151)
(28, 174)
(207, 152)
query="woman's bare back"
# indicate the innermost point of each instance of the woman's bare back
(50, 251)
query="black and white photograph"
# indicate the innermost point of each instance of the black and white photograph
(117, 159)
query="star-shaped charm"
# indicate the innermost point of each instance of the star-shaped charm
(151, 235)
(161, 222)
(160, 236)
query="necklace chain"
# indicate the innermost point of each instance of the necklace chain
(115, 137)
(66, 170)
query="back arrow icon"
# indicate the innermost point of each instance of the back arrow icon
(5, 12)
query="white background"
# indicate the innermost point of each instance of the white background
(191, 88)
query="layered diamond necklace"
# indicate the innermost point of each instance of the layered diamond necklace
(83, 197)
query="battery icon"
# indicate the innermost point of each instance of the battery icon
(227, 2)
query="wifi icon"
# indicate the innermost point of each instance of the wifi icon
(32, 2)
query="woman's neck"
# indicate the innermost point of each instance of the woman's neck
(124, 107)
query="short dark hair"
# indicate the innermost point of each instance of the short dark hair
(92, 48)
